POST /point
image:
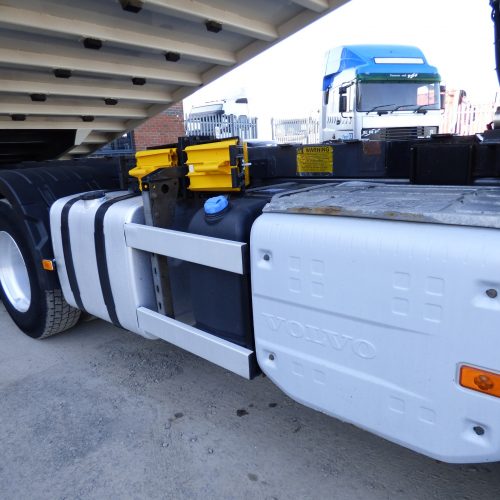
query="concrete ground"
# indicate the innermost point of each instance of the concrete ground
(101, 413)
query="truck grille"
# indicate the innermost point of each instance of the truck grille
(401, 133)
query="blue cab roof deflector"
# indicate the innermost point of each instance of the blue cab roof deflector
(370, 61)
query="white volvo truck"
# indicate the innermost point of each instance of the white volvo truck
(375, 92)
(362, 278)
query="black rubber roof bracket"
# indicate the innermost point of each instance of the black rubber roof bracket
(92, 43)
(213, 26)
(62, 73)
(134, 6)
(172, 56)
(138, 81)
(38, 97)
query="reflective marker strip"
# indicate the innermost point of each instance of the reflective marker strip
(48, 265)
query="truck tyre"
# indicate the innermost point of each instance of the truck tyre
(37, 312)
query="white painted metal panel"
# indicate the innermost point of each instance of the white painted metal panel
(457, 205)
(370, 320)
(219, 351)
(205, 250)
(130, 271)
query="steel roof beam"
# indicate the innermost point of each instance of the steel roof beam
(96, 138)
(33, 83)
(105, 65)
(200, 12)
(16, 18)
(314, 5)
(56, 109)
(57, 123)
(81, 150)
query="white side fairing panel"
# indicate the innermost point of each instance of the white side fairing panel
(370, 321)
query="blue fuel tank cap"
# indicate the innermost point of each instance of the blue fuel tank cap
(216, 205)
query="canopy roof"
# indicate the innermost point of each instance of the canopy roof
(99, 68)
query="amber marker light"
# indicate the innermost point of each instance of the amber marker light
(48, 265)
(480, 380)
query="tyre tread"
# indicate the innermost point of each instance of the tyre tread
(60, 315)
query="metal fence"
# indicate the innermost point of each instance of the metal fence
(468, 118)
(465, 119)
(221, 126)
(303, 130)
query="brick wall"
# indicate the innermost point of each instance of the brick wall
(161, 129)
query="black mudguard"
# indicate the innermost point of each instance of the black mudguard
(32, 190)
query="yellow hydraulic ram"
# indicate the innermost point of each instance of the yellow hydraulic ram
(216, 166)
(152, 159)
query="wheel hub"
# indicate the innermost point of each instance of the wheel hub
(14, 273)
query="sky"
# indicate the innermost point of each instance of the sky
(456, 36)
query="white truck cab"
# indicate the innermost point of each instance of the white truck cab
(379, 92)
(229, 107)
(220, 118)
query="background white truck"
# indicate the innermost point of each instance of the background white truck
(237, 107)
(374, 300)
(379, 92)
(222, 118)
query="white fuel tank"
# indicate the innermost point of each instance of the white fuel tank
(97, 270)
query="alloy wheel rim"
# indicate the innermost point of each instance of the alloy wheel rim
(14, 276)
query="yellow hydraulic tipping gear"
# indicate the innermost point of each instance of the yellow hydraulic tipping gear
(214, 166)
(217, 166)
(152, 159)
